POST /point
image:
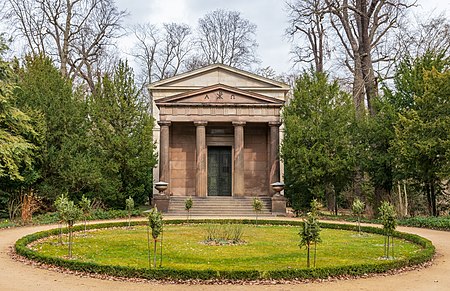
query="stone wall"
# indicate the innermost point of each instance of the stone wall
(255, 160)
(182, 159)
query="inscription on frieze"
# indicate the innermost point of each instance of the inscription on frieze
(221, 96)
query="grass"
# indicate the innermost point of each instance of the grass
(268, 248)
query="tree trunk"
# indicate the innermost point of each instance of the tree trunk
(335, 203)
(429, 203)
(388, 244)
(329, 197)
(70, 240)
(380, 195)
(148, 248)
(154, 253)
(358, 89)
(65, 40)
(406, 199)
(60, 233)
(393, 254)
(400, 200)
(307, 258)
(364, 50)
(315, 253)
(433, 199)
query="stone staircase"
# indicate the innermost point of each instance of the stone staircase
(219, 206)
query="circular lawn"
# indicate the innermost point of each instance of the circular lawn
(266, 251)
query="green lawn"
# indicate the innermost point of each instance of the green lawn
(268, 248)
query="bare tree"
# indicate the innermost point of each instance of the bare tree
(176, 44)
(225, 37)
(425, 34)
(362, 27)
(266, 72)
(147, 40)
(162, 53)
(306, 20)
(76, 33)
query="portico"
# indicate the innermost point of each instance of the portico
(218, 134)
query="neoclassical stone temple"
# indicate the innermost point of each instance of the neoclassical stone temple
(218, 133)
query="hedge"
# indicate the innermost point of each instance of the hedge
(430, 222)
(439, 223)
(163, 273)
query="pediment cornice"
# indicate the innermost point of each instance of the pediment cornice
(219, 94)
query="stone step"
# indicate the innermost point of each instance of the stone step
(219, 206)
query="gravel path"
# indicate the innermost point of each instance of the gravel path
(18, 276)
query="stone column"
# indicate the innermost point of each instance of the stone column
(164, 171)
(238, 173)
(200, 177)
(274, 156)
(158, 200)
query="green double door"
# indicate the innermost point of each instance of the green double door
(219, 171)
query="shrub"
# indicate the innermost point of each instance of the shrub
(310, 232)
(358, 209)
(85, 206)
(70, 213)
(129, 206)
(257, 207)
(387, 216)
(440, 223)
(187, 206)
(156, 224)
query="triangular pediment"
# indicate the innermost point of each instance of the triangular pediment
(218, 74)
(218, 94)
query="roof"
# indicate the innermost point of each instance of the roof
(181, 79)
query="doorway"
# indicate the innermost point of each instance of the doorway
(219, 171)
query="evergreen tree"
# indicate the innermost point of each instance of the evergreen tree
(122, 128)
(66, 161)
(16, 150)
(419, 125)
(19, 139)
(317, 150)
(373, 138)
(422, 142)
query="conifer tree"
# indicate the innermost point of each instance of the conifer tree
(122, 129)
(66, 163)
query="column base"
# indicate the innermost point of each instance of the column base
(161, 202)
(278, 205)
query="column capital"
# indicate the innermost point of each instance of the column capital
(164, 122)
(200, 123)
(274, 123)
(239, 123)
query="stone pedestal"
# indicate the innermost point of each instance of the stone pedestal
(278, 205)
(161, 202)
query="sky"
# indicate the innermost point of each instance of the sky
(270, 17)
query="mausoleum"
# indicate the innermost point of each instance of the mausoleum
(217, 133)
